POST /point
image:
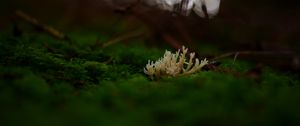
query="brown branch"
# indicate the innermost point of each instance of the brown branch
(34, 22)
(282, 59)
(121, 38)
(235, 54)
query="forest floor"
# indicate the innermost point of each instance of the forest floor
(46, 81)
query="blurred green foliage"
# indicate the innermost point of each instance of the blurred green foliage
(44, 81)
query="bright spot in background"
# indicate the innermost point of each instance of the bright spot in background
(203, 8)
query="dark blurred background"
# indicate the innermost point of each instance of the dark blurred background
(259, 25)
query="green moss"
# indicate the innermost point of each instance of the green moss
(72, 84)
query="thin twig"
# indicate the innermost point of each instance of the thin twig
(121, 38)
(252, 53)
(235, 57)
(33, 21)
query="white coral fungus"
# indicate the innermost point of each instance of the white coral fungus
(174, 64)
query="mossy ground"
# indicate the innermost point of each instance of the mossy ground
(44, 81)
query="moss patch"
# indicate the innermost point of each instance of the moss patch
(47, 81)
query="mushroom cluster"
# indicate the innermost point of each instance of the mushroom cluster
(174, 64)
